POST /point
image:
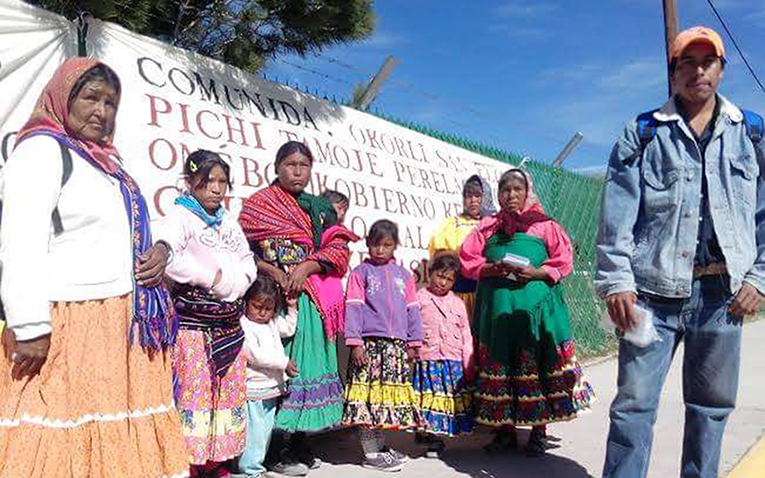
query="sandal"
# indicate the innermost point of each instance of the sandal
(536, 444)
(503, 440)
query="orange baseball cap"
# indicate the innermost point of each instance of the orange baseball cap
(696, 35)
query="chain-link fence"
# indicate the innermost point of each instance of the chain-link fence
(572, 200)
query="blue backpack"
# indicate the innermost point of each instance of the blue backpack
(647, 124)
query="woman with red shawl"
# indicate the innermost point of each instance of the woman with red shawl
(297, 241)
(528, 374)
(85, 383)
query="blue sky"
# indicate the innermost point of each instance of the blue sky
(525, 75)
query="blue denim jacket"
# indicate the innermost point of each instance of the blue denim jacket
(649, 212)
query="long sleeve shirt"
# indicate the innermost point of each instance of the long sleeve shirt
(92, 258)
(560, 261)
(381, 301)
(651, 205)
(200, 251)
(446, 328)
(266, 360)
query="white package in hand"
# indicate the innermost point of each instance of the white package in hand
(644, 333)
(514, 260)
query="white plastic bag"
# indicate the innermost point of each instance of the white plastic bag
(515, 260)
(643, 334)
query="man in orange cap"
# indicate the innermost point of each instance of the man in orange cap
(679, 248)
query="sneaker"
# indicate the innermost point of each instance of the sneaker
(289, 469)
(382, 462)
(397, 455)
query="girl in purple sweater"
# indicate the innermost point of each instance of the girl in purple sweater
(383, 328)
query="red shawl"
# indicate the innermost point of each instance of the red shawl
(273, 213)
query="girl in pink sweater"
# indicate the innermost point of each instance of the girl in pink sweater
(444, 368)
(211, 268)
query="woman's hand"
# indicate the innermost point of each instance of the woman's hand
(412, 354)
(496, 270)
(276, 274)
(359, 356)
(525, 274)
(28, 356)
(299, 275)
(151, 265)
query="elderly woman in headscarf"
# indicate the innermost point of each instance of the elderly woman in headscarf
(85, 383)
(528, 374)
(451, 233)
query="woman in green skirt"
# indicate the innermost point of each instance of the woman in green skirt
(297, 241)
(528, 374)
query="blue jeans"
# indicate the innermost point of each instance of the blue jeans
(710, 381)
(260, 422)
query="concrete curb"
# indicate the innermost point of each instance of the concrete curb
(752, 465)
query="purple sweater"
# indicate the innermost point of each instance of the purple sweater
(382, 302)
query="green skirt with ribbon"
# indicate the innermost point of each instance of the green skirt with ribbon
(528, 373)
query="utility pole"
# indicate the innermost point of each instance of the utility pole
(374, 86)
(573, 143)
(670, 32)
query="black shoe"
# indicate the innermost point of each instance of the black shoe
(304, 454)
(536, 444)
(502, 441)
(435, 448)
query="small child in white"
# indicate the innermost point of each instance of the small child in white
(268, 367)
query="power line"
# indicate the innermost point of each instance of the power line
(315, 72)
(408, 86)
(439, 100)
(741, 54)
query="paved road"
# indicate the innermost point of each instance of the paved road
(582, 442)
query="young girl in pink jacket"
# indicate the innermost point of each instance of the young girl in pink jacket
(444, 368)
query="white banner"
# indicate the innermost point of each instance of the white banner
(174, 102)
(33, 43)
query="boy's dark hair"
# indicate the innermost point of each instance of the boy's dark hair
(335, 197)
(380, 230)
(265, 286)
(200, 163)
(445, 262)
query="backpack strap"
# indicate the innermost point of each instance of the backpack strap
(66, 159)
(754, 126)
(646, 131)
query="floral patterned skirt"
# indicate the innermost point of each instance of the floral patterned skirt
(531, 392)
(444, 396)
(380, 394)
(211, 409)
